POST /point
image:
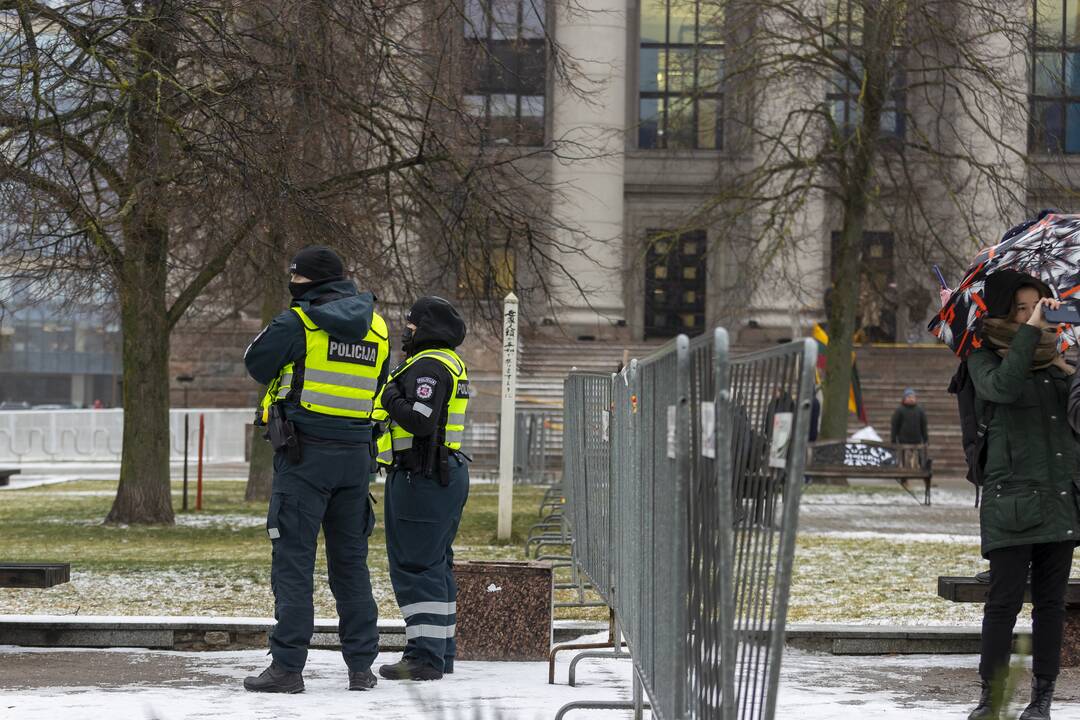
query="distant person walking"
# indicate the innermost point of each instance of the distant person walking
(1028, 516)
(909, 421)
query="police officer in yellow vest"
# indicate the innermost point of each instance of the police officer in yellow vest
(325, 360)
(424, 402)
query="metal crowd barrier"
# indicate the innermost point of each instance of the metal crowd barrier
(532, 446)
(689, 532)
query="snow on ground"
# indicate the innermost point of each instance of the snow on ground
(171, 685)
(972, 540)
(208, 685)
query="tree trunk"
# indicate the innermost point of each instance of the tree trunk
(879, 29)
(261, 468)
(144, 495)
(837, 383)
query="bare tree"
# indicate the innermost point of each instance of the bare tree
(145, 143)
(851, 114)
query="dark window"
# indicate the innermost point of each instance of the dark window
(845, 87)
(505, 43)
(681, 66)
(675, 283)
(876, 305)
(1055, 82)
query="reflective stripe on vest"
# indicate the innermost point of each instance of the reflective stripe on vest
(339, 378)
(397, 438)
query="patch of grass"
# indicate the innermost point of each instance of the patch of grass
(213, 562)
(218, 561)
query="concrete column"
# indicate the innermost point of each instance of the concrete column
(787, 292)
(588, 131)
(79, 387)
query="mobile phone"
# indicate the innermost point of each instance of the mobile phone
(940, 278)
(1068, 313)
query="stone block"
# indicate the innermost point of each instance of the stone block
(216, 638)
(504, 610)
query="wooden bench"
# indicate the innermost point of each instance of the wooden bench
(832, 459)
(6, 473)
(968, 589)
(33, 575)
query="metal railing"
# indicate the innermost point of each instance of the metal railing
(688, 534)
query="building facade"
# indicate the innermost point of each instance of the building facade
(667, 116)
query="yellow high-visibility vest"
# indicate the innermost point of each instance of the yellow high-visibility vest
(397, 438)
(338, 378)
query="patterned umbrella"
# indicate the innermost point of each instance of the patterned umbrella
(1048, 248)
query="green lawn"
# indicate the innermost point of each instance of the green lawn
(213, 562)
(217, 562)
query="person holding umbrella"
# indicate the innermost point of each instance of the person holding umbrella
(1029, 516)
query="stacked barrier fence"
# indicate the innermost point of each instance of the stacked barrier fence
(97, 435)
(683, 475)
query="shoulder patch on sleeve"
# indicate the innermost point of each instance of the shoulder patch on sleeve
(425, 387)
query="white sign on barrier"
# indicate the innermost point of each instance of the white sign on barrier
(672, 416)
(708, 429)
(781, 439)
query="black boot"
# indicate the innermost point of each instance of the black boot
(362, 679)
(410, 669)
(989, 707)
(448, 666)
(1042, 694)
(275, 679)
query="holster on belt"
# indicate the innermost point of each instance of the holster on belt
(282, 434)
(444, 465)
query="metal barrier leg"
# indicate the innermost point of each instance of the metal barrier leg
(595, 705)
(638, 698)
(592, 655)
(570, 646)
(581, 646)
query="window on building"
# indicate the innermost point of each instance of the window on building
(876, 305)
(1055, 84)
(487, 273)
(681, 70)
(505, 44)
(845, 87)
(675, 283)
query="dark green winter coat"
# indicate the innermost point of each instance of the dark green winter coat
(1029, 492)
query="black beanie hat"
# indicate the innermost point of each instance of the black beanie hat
(437, 323)
(1001, 289)
(318, 263)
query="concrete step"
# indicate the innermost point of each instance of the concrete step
(200, 633)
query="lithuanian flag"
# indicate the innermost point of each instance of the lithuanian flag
(855, 398)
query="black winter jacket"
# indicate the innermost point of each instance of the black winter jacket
(344, 313)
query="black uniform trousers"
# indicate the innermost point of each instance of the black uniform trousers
(1050, 565)
(422, 519)
(328, 488)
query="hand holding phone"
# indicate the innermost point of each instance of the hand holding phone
(1068, 313)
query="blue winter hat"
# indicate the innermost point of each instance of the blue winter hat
(909, 392)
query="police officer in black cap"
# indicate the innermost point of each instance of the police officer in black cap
(424, 404)
(325, 360)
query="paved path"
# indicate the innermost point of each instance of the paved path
(953, 511)
(92, 684)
